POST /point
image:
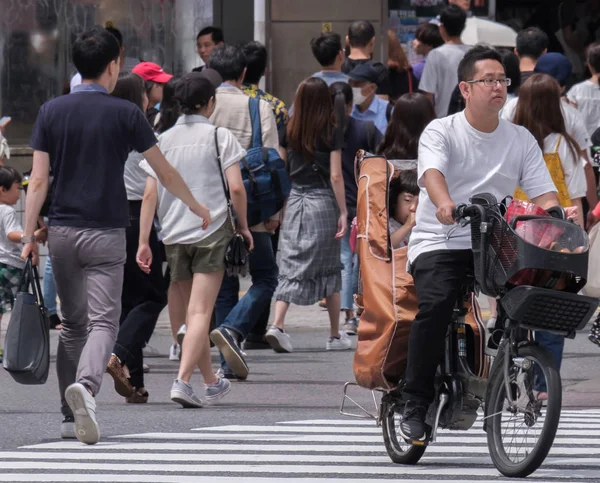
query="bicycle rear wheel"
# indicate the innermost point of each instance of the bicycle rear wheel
(398, 449)
(520, 438)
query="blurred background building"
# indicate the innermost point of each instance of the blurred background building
(36, 36)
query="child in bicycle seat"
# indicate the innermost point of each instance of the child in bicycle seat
(460, 156)
(404, 198)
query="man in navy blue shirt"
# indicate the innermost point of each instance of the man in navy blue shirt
(85, 138)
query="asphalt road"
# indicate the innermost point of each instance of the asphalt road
(282, 388)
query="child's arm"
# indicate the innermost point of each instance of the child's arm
(403, 233)
(11, 226)
(400, 235)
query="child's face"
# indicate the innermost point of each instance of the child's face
(407, 204)
(11, 196)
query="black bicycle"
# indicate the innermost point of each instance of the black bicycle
(522, 396)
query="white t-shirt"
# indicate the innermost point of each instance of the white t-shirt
(134, 177)
(190, 147)
(573, 121)
(473, 162)
(440, 75)
(573, 168)
(586, 95)
(10, 252)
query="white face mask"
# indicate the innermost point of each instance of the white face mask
(358, 96)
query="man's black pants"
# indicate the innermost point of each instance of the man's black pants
(439, 276)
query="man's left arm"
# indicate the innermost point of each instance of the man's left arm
(36, 195)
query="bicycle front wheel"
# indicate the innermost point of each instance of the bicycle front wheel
(398, 449)
(520, 436)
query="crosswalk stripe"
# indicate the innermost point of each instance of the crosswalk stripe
(321, 450)
(331, 469)
(270, 458)
(328, 438)
(292, 448)
(570, 430)
(369, 423)
(161, 478)
(572, 416)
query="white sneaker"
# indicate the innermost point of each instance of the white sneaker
(278, 340)
(340, 343)
(175, 352)
(83, 405)
(181, 334)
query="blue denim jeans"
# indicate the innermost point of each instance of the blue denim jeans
(555, 344)
(49, 288)
(349, 273)
(240, 315)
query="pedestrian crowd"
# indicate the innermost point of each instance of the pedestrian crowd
(140, 186)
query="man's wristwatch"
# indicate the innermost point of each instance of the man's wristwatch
(27, 239)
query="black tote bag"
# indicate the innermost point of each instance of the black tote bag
(27, 344)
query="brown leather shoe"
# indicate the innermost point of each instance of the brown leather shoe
(139, 396)
(116, 370)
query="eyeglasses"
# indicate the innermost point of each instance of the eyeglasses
(492, 82)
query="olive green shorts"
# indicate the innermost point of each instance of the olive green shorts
(206, 256)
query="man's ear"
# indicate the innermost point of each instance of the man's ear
(464, 90)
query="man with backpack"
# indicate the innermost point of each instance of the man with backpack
(235, 317)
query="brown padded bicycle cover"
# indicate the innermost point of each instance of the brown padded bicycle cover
(388, 292)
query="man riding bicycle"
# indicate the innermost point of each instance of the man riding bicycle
(462, 155)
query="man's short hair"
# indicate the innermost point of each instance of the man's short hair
(360, 33)
(532, 42)
(429, 34)
(593, 56)
(216, 34)
(467, 69)
(453, 18)
(256, 61)
(93, 50)
(326, 47)
(229, 61)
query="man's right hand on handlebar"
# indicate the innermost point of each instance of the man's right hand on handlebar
(445, 213)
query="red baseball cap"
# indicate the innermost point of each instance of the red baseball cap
(152, 72)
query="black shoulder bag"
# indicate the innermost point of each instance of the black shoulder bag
(236, 255)
(27, 344)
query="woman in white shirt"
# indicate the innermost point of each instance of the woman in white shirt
(195, 247)
(539, 110)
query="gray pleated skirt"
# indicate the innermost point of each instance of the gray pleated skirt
(309, 255)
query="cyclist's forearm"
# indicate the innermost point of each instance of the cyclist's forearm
(547, 200)
(437, 188)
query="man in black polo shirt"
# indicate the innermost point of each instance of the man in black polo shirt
(85, 138)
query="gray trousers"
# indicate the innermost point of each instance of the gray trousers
(88, 270)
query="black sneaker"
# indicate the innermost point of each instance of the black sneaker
(228, 345)
(67, 428)
(413, 427)
(255, 342)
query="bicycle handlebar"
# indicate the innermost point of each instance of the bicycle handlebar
(463, 211)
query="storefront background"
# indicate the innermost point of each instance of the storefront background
(36, 38)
